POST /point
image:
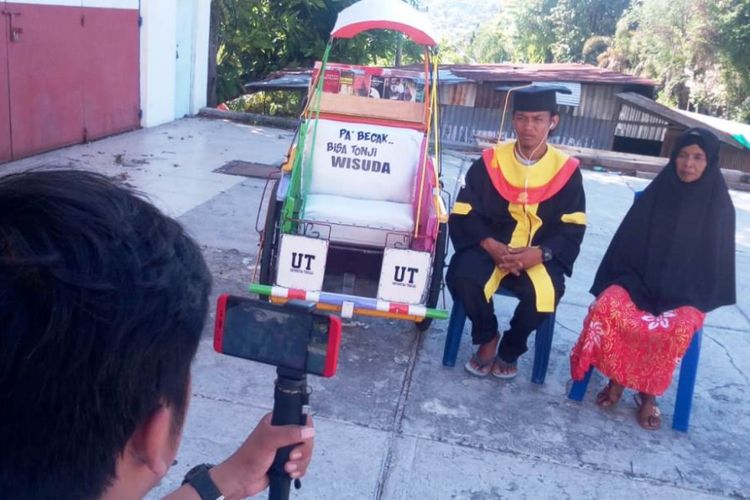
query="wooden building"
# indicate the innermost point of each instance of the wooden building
(473, 110)
(648, 127)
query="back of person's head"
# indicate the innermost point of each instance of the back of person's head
(102, 303)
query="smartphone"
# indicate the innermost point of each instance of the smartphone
(293, 336)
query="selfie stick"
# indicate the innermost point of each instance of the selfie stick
(289, 396)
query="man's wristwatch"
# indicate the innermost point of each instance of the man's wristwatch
(546, 254)
(199, 478)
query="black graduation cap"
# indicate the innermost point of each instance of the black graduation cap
(537, 97)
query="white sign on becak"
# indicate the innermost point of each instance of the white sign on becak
(363, 161)
(301, 262)
(404, 276)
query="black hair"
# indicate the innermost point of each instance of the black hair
(102, 304)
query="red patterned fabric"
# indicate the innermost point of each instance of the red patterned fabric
(630, 346)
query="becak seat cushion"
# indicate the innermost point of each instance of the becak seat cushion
(357, 221)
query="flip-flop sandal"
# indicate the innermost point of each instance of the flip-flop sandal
(504, 365)
(650, 422)
(482, 368)
(605, 399)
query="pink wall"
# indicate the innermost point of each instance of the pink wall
(5, 152)
(72, 75)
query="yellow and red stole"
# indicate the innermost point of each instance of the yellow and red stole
(518, 183)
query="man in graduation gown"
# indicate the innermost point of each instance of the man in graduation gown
(518, 223)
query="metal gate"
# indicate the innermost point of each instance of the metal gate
(70, 74)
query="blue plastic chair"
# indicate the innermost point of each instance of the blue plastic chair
(685, 386)
(542, 343)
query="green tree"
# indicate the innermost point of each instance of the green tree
(543, 31)
(578, 23)
(696, 49)
(252, 38)
(467, 30)
(674, 43)
(490, 42)
(530, 33)
(732, 19)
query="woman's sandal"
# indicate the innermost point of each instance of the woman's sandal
(511, 369)
(609, 396)
(650, 419)
(479, 367)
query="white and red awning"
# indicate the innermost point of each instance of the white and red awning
(393, 15)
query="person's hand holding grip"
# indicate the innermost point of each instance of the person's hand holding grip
(245, 472)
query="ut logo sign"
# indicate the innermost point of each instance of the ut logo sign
(400, 274)
(297, 259)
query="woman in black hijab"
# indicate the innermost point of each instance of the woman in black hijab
(670, 262)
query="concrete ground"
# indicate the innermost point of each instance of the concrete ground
(394, 423)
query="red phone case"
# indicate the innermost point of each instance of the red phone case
(334, 336)
(334, 341)
(221, 311)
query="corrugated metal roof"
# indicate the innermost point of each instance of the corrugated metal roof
(739, 131)
(568, 72)
(677, 117)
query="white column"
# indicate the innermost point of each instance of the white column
(158, 45)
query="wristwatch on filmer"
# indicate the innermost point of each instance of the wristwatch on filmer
(546, 254)
(200, 480)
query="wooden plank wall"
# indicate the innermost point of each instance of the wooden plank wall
(590, 125)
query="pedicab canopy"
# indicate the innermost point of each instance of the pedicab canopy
(393, 15)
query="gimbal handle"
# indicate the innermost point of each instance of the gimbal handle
(289, 398)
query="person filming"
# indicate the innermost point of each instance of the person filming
(102, 303)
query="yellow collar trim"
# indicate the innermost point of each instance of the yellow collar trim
(537, 175)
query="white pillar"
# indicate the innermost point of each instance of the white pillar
(158, 42)
(158, 63)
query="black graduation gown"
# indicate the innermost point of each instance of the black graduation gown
(483, 210)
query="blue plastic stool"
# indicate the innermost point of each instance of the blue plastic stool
(685, 386)
(542, 343)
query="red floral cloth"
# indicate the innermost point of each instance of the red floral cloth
(630, 346)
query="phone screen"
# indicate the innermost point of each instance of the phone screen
(276, 335)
